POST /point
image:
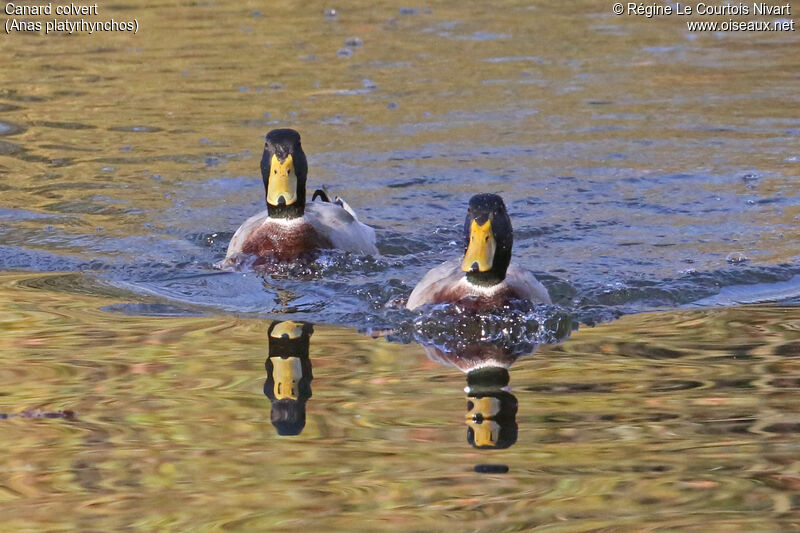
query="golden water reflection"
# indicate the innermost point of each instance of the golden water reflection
(129, 154)
(491, 416)
(289, 376)
(660, 421)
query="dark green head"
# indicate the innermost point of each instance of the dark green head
(289, 376)
(489, 239)
(491, 410)
(284, 170)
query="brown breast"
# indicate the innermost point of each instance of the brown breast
(285, 243)
(476, 303)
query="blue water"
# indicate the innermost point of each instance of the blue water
(603, 245)
(644, 168)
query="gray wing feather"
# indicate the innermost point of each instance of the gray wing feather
(341, 227)
(526, 285)
(445, 275)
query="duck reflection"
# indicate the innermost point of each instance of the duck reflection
(491, 415)
(289, 376)
(491, 410)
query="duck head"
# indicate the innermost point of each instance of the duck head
(489, 238)
(491, 416)
(491, 410)
(288, 384)
(284, 169)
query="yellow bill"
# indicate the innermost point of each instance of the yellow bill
(486, 433)
(485, 430)
(287, 374)
(282, 181)
(287, 329)
(486, 407)
(481, 247)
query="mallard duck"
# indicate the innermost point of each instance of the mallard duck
(290, 228)
(485, 278)
(289, 376)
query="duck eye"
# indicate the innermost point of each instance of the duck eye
(274, 170)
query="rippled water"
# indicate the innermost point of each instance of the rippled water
(645, 169)
(671, 421)
(637, 159)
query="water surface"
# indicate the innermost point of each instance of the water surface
(638, 160)
(650, 175)
(669, 421)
